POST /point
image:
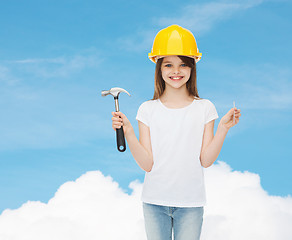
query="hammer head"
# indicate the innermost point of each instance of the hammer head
(114, 92)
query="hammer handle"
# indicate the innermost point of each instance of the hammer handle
(121, 144)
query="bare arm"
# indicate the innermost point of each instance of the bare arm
(141, 150)
(143, 157)
(211, 145)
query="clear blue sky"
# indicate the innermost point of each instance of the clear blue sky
(57, 56)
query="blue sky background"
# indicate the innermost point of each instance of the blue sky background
(57, 56)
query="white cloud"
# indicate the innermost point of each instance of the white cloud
(262, 86)
(40, 113)
(95, 207)
(239, 208)
(56, 67)
(199, 18)
(92, 207)
(6, 77)
(50, 117)
(137, 42)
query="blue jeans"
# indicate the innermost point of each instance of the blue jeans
(185, 221)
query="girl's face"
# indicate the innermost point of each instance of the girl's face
(174, 71)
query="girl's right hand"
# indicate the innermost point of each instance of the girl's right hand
(119, 119)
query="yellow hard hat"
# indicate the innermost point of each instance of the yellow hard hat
(174, 40)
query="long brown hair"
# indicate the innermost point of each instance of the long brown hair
(191, 84)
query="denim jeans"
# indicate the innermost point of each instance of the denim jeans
(159, 220)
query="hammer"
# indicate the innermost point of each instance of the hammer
(121, 144)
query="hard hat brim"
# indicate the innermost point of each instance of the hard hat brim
(154, 58)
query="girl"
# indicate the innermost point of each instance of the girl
(176, 139)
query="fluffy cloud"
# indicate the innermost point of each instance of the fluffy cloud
(95, 207)
(239, 208)
(92, 207)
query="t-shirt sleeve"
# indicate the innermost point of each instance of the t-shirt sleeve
(143, 114)
(211, 112)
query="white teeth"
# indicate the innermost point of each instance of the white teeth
(176, 78)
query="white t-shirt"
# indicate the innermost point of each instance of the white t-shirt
(177, 177)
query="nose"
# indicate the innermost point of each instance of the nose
(176, 70)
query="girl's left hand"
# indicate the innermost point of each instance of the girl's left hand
(227, 120)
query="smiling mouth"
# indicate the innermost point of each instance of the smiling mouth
(176, 78)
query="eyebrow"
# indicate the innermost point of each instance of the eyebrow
(170, 62)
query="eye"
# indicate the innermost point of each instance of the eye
(183, 65)
(167, 65)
